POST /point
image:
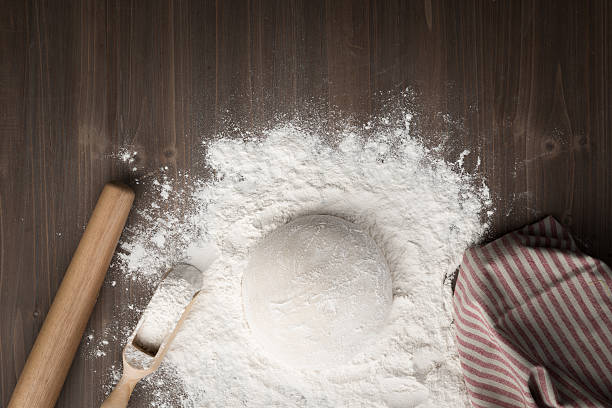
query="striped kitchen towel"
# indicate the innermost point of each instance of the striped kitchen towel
(534, 321)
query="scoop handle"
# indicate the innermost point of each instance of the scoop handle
(120, 396)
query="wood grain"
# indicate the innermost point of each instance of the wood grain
(528, 82)
(48, 363)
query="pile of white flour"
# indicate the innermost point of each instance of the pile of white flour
(315, 291)
(420, 210)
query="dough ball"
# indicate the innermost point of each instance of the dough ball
(314, 290)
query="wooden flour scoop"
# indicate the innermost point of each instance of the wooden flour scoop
(140, 357)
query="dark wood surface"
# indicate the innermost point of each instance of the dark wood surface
(530, 81)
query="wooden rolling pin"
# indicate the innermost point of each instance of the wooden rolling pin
(45, 370)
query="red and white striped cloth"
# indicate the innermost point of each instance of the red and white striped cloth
(534, 321)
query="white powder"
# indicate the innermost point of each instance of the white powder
(421, 211)
(166, 306)
(136, 357)
(315, 291)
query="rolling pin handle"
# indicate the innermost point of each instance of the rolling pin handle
(47, 366)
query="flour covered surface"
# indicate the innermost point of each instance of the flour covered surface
(315, 291)
(420, 211)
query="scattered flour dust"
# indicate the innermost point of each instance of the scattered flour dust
(421, 211)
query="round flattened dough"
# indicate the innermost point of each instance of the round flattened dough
(314, 290)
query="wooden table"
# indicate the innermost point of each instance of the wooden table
(529, 81)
